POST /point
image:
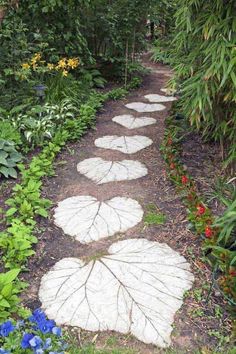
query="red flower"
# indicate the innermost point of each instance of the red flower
(172, 165)
(208, 232)
(184, 179)
(200, 209)
(232, 273)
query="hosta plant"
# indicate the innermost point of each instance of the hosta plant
(9, 158)
(40, 123)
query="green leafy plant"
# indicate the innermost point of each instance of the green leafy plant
(26, 203)
(9, 288)
(9, 158)
(154, 216)
(9, 132)
(40, 123)
(218, 234)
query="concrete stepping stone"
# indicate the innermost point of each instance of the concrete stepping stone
(136, 288)
(159, 98)
(131, 122)
(125, 144)
(145, 107)
(101, 171)
(87, 219)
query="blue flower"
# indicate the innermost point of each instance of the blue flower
(25, 343)
(38, 351)
(57, 331)
(36, 342)
(38, 316)
(6, 328)
(47, 344)
(3, 351)
(46, 326)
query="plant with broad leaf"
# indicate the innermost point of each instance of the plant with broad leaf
(9, 158)
(10, 287)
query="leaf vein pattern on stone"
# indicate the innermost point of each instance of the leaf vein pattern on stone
(125, 144)
(131, 122)
(102, 171)
(113, 293)
(87, 219)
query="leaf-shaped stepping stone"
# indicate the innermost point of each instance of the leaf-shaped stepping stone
(136, 288)
(102, 171)
(87, 219)
(125, 144)
(159, 98)
(131, 122)
(145, 107)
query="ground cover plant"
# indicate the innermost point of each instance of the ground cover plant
(217, 234)
(58, 63)
(26, 203)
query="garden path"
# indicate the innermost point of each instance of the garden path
(100, 266)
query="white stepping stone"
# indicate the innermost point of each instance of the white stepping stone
(125, 144)
(136, 288)
(131, 122)
(87, 219)
(159, 98)
(102, 171)
(145, 107)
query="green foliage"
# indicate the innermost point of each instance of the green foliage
(152, 218)
(201, 49)
(110, 26)
(218, 233)
(117, 94)
(39, 123)
(17, 243)
(134, 83)
(26, 203)
(9, 132)
(9, 288)
(227, 225)
(9, 158)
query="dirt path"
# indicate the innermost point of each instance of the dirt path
(153, 189)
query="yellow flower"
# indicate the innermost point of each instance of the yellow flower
(73, 63)
(25, 66)
(37, 56)
(62, 63)
(34, 65)
(64, 73)
(50, 66)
